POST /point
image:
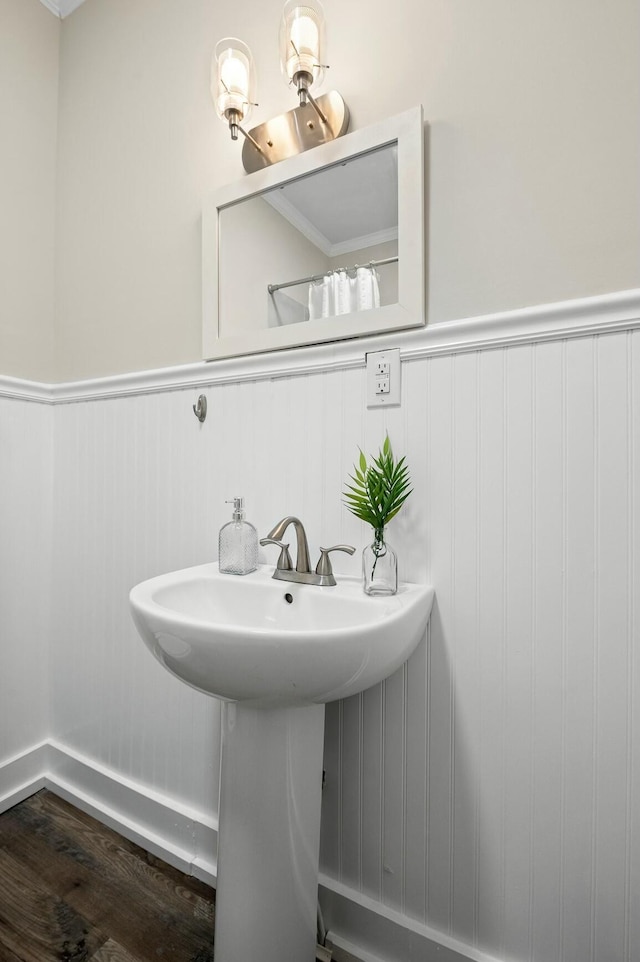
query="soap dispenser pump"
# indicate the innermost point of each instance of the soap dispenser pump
(237, 543)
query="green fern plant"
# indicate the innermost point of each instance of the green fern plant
(379, 488)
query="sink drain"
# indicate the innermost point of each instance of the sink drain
(288, 598)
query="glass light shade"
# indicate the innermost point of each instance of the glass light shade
(302, 40)
(232, 79)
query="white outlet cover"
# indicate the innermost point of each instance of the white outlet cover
(392, 398)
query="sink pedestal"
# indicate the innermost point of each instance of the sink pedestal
(269, 834)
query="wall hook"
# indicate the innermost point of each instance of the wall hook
(200, 409)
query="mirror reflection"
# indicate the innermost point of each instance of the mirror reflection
(319, 246)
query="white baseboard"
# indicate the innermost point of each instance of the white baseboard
(373, 932)
(180, 835)
(187, 839)
(23, 774)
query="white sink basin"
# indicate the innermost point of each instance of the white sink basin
(275, 644)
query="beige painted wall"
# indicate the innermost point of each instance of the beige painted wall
(534, 137)
(29, 36)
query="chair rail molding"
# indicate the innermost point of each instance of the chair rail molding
(582, 317)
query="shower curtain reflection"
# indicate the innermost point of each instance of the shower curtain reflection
(340, 292)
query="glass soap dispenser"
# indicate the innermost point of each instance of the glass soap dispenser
(237, 543)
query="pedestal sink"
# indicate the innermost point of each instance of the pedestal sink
(275, 653)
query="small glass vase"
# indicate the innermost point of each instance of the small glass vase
(380, 566)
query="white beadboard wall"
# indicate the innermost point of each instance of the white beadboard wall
(131, 500)
(491, 789)
(487, 796)
(26, 492)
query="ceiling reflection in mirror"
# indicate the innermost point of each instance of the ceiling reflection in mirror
(316, 247)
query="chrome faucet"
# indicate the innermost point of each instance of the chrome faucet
(284, 571)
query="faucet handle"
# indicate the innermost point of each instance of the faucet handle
(324, 564)
(284, 561)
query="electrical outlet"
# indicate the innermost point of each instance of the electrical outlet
(383, 378)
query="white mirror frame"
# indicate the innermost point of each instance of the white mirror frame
(407, 130)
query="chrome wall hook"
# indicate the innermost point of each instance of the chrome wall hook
(200, 409)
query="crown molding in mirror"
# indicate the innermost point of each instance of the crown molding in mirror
(405, 130)
(584, 317)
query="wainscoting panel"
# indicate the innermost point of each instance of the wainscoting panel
(131, 501)
(488, 794)
(499, 799)
(26, 491)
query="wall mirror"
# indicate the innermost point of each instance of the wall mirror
(323, 246)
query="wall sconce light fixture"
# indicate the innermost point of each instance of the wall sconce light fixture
(302, 46)
(235, 81)
(313, 122)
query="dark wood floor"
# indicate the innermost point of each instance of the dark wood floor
(72, 890)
